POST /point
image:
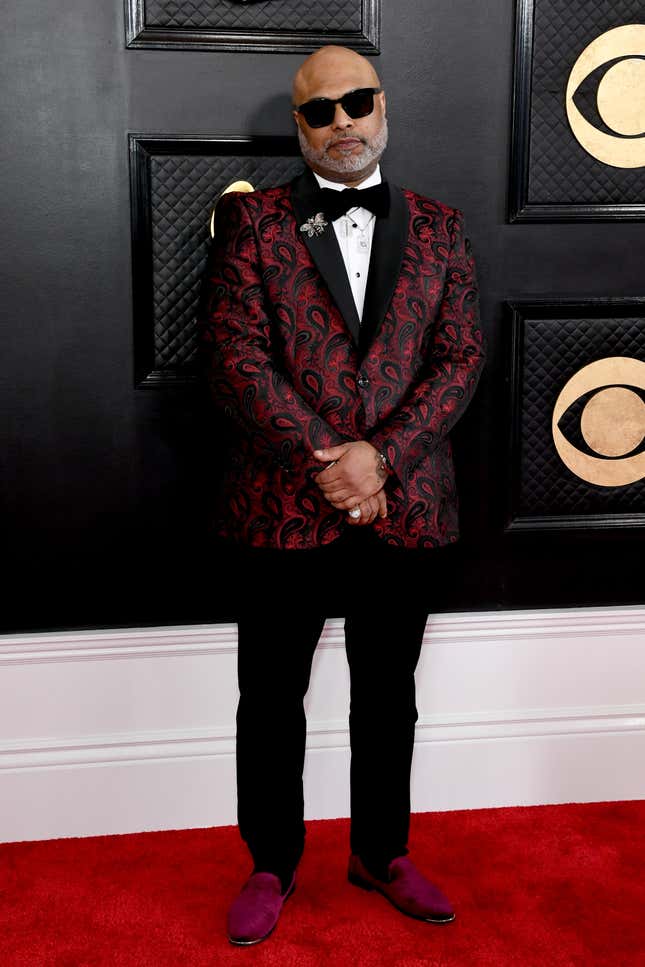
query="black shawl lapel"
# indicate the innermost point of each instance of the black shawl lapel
(325, 251)
(388, 244)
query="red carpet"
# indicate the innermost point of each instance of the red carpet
(546, 885)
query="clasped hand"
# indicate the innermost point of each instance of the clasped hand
(355, 479)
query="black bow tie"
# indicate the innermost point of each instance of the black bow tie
(336, 203)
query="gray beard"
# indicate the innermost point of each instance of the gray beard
(352, 163)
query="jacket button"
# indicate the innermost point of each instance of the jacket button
(362, 381)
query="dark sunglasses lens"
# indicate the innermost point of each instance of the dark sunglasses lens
(358, 104)
(318, 114)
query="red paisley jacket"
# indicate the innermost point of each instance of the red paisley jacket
(289, 362)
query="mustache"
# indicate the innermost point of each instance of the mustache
(333, 141)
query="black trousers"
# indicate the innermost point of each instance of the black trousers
(384, 593)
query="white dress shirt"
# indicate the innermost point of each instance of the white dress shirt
(354, 232)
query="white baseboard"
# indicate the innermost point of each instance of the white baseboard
(133, 729)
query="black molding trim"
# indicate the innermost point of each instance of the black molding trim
(516, 313)
(142, 265)
(520, 124)
(138, 35)
(519, 207)
(141, 148)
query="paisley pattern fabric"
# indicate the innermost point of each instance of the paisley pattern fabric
(283, 364)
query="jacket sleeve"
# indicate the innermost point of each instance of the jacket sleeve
(238, 342)
(437, 400)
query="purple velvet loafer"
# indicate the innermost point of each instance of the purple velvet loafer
(255, 912)
(407, 889)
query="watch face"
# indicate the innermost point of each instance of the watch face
(383, 462)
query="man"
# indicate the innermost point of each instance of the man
(343, 342)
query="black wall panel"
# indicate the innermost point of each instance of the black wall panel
(104, 486)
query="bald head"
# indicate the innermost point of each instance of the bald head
(347, 146)
(332, 71)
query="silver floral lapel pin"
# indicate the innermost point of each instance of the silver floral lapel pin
(315, 225)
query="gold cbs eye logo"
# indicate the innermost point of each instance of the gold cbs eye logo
(612, 422)
(620, 97)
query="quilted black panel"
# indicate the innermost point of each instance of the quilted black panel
(291, 15)
(560, 170)
(182, 191)
(552, 351)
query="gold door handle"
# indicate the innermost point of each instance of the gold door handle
(234, 186)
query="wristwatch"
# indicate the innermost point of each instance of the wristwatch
(383, 465)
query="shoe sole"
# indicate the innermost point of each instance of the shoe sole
(369, 888)
(251, 943)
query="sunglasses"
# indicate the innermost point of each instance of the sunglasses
(320, 111)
